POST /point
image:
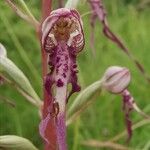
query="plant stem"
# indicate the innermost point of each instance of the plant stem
(46, 8)
(8, 101)
(35, 102)
(27, 15)
(99, 144)
(76, 114)
(17, 10)
(28, 12)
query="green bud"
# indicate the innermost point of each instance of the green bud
(12, 142)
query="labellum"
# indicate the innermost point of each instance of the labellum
(62, 39)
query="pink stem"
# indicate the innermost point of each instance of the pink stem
(51, 130)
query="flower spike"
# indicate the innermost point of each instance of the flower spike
(62, 39)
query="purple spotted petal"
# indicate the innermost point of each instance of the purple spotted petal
(62, 39)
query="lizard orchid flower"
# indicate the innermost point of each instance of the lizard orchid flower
(62, 39)
(116, 80)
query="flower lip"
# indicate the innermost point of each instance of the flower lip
(116, 79)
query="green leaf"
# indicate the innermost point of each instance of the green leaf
(6, 65)
(21, 51)
(147, 146)
(99, 144)
(72, 3)
(12, 142)
(82, 99)
(8, 101)
(3, 52)
(27, 11)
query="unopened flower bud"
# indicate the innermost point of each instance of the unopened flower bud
(12, 142)
(3, 52)
(116, 79)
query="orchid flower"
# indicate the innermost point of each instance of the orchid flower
(62, 39)
(116, 80)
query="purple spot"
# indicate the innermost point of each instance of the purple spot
(48, 84)
(60, 83)
(76, 87)
(66, 57)
(76, 71)
(74, 66)
(57, 70)
(64, 75)
(59, 65)
(65, 67)
(50, 63)
(57, 59)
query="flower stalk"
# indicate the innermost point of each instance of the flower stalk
(27, 16)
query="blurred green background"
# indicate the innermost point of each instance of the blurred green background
(104, 118)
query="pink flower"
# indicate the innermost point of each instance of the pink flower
(116, 79)
(62, 39)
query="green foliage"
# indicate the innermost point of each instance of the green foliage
(84, 97)
(6, 65)
(11, 142)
